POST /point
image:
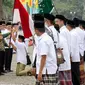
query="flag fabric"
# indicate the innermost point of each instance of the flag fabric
(23, 1)
(36, 4)
(22, 15)
(6, 35)
(45, 6)
(30, 3)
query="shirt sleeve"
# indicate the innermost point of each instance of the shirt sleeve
(73, 44)
(44, 49)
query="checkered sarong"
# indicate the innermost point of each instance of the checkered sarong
(82, 73)
(50, 79)
(65, 78)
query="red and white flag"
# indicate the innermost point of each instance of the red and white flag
(22, 15)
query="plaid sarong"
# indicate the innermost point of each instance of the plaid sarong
(82, 73)
(49, 79)
(65, 78)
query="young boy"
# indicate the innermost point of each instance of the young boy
(21, 51)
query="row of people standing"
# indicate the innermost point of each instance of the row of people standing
(6, 50)
(70, 39)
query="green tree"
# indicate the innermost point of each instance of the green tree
(7, 7)
(1, 10)
(69, 8)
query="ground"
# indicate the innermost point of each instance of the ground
(12, 79)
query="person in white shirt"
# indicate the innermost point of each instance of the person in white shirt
(46, 65)
(8, 49)
(50, 29)
(75, 57)
(80, 31)
(21, 55)
(64, 43)
(61, 21)
(84, 46)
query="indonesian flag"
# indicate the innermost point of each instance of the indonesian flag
(22, 15)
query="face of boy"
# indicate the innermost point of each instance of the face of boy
(8, 27)
(19, 40)
(3, 26)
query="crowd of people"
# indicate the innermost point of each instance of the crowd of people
(7, 29)
(5, 51)
(55, 38)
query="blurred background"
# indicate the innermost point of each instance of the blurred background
(69, 8)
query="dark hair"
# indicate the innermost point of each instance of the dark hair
(8, 23)
(76, 22)
(83, 26)
(62, 18)
(2, 22)
(71, 23)
(41, 29)
(38, 17)
(22, 38)
(82, 23)
(39, 25)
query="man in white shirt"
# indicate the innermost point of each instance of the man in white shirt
(61, 20)
(75, 57)
(84, 47)
(65, 68)
(46, 65)
(49, 20)
(80, 31)
(8, 49)
(21, 51)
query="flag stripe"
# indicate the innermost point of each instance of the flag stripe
(24, 16)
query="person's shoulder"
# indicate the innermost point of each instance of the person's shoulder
(64, 29)
(46, 38)
(73, 31)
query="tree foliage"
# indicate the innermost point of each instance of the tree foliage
(1, 11)
(70, 8)
(8, 8)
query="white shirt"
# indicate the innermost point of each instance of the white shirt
(81, 34)
(63, 44)
(35, 48)
(46, 47)
(75, 46)
(55, 34)
(84, 41)
(65, 33)
(21, 52)
(4, 31)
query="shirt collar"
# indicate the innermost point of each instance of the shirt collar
(63, 27)
(51, 26)
(78, 28)
(40, 37)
